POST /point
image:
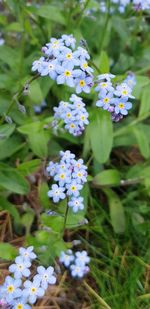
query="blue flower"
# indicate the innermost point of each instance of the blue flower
(55, 47)
(84, 83)
(73, 188)
(82, 258)
(66, 257)
(76, 204)
(21, 268)
(107, 76)
(77, 271)
(51, 168)
(122, 106)
(105, 100)
(67, 75)
(32, 291)
(67, 56)
(82, 54)
(123, 90)
(57, 193)
(45, 276)
(11, 289)
(38, 65)
(104, 87)
(50, 68)
(85, 67)
(20, 304)
(27, 253)
(69, 40)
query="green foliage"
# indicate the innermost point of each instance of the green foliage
(117, 155)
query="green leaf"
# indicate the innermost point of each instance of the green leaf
(27, 220)
(142, 141)
(53, 13)
(6, 205)
(44, 199)
(38, 138)
(104, 62)
(13, 181)
(145, 101)
(29, 167)
(101, 134)
(10, 146)
(116, 211)
(107, 178)
(54, 222)
(6, 130)
(35, 93)
(7, 251)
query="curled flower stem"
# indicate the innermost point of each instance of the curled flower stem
(18, 95)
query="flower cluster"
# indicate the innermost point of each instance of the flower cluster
(120, 5)
(70, 174)
(65, 64)
(115, 100)
(74, 115)
(77, 263)
(19, 293)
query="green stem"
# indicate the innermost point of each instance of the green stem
(66, 214)
(82, 12)
(101, 301)
(134, 122)
(105, 26)
(17, 96)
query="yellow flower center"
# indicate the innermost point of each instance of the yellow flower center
(73, 188)
(121, 105)
(33, 290)
(85, 65)
(72, 125)
(103, 85)
(125, 92)
(10, 288)
(19, 306)
(82, 83)
(69, 56)
(62, 176)
(82, 117)
(68, 115)
(20, 266)
(67, 73)
(79, 174)
(106, 100)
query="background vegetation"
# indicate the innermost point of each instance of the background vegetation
(117, 155)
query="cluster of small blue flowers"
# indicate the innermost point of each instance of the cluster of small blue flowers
(74, 115)
(18, 293)
(70, 174)
(77, 263)
(115, 100)
(65, 64)
(121, 5)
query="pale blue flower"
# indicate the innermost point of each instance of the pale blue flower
(77, 271)
(82, 53)
(66, 258)
(67, 56)
(82, 258)
(123, 90)
(69, 40)
(32, 291)
(84, 83)
(51, 168)
(45, 276)
(76, 203)
(55, 47)
(107, 76)
(27, 253)
(20, 304)
(73, 188)
(105, 100)
(57, 193)
(20, 268)
(10, 290)
(38, 65)
(122, 106)
(67, 75)
(50, 68)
